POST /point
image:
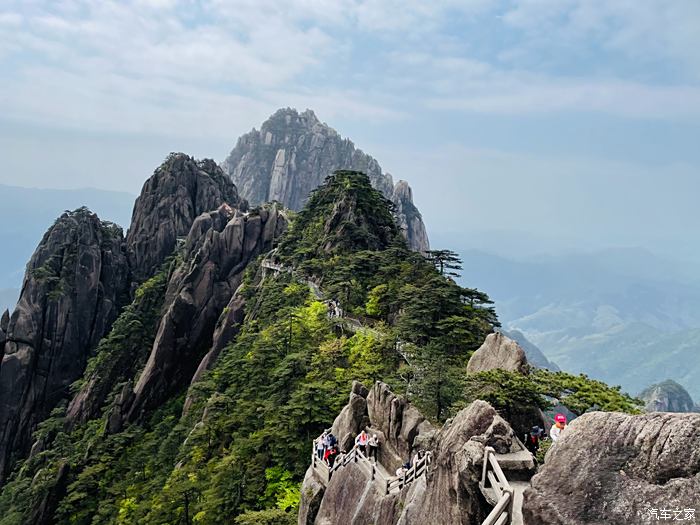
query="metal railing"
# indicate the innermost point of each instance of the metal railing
(493, 481)
(356, 456)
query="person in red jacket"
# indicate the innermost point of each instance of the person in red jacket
(330, 455)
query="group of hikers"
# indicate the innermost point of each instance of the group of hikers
(327, 446)
(537, 434)
(327, 450)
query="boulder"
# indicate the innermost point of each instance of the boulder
(352, 418)
(294, 152)
(610, 468)
(313, 489)
(73, 290)
(498, 351)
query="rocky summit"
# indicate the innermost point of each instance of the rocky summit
(182, 375)
(179, 191)
(74, 287)
(292, 154)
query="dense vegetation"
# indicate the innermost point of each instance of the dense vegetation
(238, 452)
(512, 392)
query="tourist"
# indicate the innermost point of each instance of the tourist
(532, 440)
(361, 442)
(373, 444)
(327, 440)
(320, 445)
(330, 456)
(559, 425)
(332, 440)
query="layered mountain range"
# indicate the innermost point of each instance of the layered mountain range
(294, 152)
(181, 372)
(624, 316)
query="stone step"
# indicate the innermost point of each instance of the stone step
(518, 489)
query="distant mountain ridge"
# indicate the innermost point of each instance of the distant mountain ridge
(624, 316)
(292, 154)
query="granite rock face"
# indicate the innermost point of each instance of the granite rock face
(293, 153)
(667, 396)
(449, 492)
(218, 249)
(74, 287)
(180, 190)
(611, 468)
(498, 351)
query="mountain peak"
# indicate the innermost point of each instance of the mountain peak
(179, 190)
(292, 154)
(345, 213)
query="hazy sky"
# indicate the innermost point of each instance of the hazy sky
(569, 119)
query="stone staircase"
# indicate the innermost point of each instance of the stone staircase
(504, 479)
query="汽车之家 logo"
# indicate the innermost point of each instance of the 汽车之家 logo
(662, 514)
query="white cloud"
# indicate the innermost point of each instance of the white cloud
(640, 30)
(157, 64)
(523, 95)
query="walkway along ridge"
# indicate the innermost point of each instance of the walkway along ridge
(377, 473)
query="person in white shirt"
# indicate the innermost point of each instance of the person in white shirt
(361, 442)
(559, 425)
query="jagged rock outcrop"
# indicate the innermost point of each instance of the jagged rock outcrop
(180, 190)
(409, 218)
(74, 287)
(498, 351)
(399, 424)
(218, 249)
(294, 152)
(448, 494)
(611, 468)
(667, 396)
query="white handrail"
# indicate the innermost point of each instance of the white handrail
(355, 455)
(503, 510)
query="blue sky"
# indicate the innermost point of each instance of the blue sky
(569, 119)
